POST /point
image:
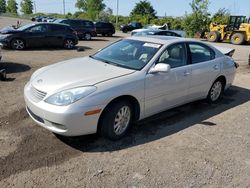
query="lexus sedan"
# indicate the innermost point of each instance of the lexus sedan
(39, 35)
(127, 81)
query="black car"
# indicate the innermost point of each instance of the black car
(85, 29)
(105, 28)
(131, 26)
(38, 35)
(143, 32)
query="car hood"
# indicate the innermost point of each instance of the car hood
(75, 73)
(9, 30)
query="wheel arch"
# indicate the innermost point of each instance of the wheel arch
(133, 101)
(223, 79)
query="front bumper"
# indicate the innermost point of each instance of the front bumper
(64, 120)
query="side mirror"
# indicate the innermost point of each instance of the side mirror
(160, 68)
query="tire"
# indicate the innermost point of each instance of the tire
(116, 120)
(216, 91)
(87, 36)
(17, 44)
(110, 34)
(237, 38)
(103, 34)
(68, 44)
(125, 30)
(3, 75)
(213, 36)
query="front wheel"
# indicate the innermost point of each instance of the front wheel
(17, 44)
(215, 91)
(116, 120)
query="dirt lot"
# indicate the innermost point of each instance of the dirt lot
(196, 145)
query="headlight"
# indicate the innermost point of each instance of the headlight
(70, 96)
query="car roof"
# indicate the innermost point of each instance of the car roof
(49, 23)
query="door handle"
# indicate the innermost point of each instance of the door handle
(186, 73)
(216, 67)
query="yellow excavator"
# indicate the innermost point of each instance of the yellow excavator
(237, 31)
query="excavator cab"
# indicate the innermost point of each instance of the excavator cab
(235, 22)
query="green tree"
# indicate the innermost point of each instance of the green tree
(2, 6)
(144, 9)
(221, 16)
(26, 6)
(11, 6)
(92, 8)
(199, 19)
(105, 15)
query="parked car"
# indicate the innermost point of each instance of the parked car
(143, 32)
(131, 26)
(105, 28)
(85, 29)
(2, 71)
(38, 35)
(127, 81)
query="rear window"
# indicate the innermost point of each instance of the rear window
(201, 53)
(56, 28)
(87, 23)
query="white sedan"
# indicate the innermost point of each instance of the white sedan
(127, 81)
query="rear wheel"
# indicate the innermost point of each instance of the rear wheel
(213, 36)
(116, 120)
(237, 38)
(215, 91)
(69, 44)
(110, 34)
(87, 36)
(17, 44)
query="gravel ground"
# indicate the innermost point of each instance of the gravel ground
(195, 145)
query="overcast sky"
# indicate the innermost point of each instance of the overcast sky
(163, 7)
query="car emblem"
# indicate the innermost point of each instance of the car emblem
(39, 81)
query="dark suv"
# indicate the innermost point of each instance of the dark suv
(105, 28)
(131, 26)
(85, 29)
(38, 35)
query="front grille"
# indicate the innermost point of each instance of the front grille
(37, 93)
(35, 116)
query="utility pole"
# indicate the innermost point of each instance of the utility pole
(63, 7)
(34, 3)
(117, 9)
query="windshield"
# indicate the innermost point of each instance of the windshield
(22, 28)
(128, 53)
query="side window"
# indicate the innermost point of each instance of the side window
(174, 55)
(200, 53)
(57, 28)
(38, 29)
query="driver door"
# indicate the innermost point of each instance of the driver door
(166, 90)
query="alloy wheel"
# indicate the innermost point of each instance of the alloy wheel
(122, 120)
(18, 44)
(69, 44)
(216, 91)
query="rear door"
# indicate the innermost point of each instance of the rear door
(163, 91)
(205, 69)
(56, 35)
(36, 35)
